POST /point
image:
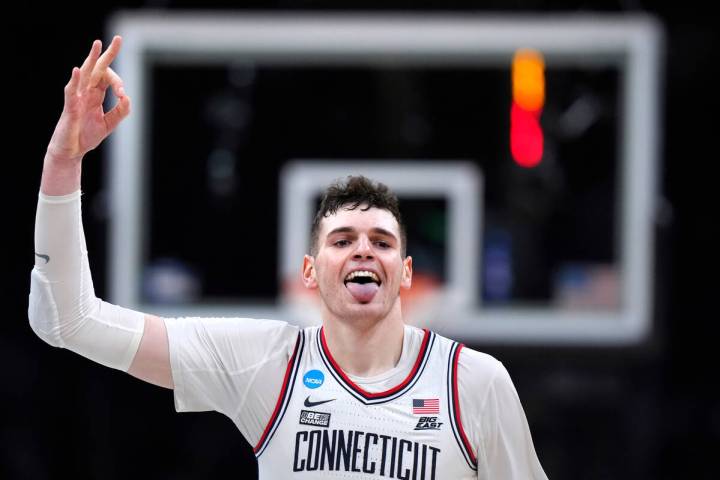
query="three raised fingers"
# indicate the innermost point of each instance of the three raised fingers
(95, 74)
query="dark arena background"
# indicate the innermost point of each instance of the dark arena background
(606, 407)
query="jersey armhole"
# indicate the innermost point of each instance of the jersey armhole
(454, 404)
(283, 396)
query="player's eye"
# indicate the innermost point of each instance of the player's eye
(382, 244)
(341, 243)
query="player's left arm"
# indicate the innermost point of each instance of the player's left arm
(495, 421)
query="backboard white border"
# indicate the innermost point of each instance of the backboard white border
(633, 43)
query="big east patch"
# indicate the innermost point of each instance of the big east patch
(428, 423)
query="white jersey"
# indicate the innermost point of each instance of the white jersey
(327, 426)
(444, 412)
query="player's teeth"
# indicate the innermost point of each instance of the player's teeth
(362, 273)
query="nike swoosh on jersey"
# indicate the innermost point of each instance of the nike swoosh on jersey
(44, 257)
(309, 404)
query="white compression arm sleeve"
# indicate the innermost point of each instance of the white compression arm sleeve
(63, 309)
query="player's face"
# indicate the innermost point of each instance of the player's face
(359, 268)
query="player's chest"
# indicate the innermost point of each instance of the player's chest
(420, 413)
(396, 436)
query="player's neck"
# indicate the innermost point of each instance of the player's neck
(366, 349)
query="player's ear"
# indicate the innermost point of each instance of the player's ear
(407, 273)
(308, 272)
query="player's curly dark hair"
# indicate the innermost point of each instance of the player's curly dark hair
(352, 193)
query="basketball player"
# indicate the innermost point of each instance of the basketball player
(362, 396)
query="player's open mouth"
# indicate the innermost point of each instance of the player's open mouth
(362, 284)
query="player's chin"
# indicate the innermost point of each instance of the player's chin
(366, 312)
(372, 314)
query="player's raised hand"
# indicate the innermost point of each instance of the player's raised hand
(83, 124)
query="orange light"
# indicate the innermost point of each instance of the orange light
(528, 77)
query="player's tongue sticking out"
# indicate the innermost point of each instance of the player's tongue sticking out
(362, 285)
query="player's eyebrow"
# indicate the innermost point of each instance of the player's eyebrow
(377, 230)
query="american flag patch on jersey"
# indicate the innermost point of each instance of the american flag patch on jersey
(426, 406)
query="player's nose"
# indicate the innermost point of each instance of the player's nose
(363, 247)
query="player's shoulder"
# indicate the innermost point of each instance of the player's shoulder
(232, 322)
(478, 370)
(471, 359)
(231, 330)
(479, 361)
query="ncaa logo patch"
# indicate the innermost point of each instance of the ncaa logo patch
(313, 379)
